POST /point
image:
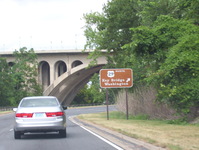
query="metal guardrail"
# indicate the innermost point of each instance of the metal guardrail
(84, 105)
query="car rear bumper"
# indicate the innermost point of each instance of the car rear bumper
(40, 129)
(40, 126)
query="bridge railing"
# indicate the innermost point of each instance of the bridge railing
(87, 105)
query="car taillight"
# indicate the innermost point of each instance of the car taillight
(24, 115)
(54, 114)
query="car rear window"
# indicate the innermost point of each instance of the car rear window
(48, 102)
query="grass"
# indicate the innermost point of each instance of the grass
(156, 132)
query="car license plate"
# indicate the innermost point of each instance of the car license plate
(39, 115)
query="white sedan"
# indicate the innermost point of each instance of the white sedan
(39, 114)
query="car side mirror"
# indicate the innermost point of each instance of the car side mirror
(64, 107)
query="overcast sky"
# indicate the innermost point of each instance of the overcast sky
(44, 24)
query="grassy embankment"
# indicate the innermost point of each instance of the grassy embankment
(161, 133)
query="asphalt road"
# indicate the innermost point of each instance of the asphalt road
(77, 137)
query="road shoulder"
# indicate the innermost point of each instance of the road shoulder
(121, 140)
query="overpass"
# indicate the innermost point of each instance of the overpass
(62, 73)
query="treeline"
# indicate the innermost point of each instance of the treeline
(158, 39)
(18, 79)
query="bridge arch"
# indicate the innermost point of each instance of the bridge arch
(68, 85)
(76, 63)
(44, 74)
(60, 68)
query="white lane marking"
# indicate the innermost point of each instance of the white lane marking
(103, 139)
(11, 129)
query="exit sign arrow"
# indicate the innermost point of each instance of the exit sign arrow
(116, 78)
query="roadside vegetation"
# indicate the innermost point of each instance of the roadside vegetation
(18, 79)
(169, 134)
(159, 41)
(5, 112)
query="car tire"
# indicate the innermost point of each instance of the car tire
(62, 133)
(17, 135)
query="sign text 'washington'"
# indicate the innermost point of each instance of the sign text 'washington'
(116, 78)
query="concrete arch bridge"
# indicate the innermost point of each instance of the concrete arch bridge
(62, 73)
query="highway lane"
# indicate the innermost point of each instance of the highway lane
(77, 137)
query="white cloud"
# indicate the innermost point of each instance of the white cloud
(44, 24)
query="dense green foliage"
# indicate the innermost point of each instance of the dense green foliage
(19, 79)
(169, 51)
(6, 84)
(158, 39)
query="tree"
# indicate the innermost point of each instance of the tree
(6, 84)
(146, 36)
(110, 30)
(179, 75)
(150, 10)
(83, 97)
(25, 74)
(91, 93)
(190, 10)
(98, 94)
(168, 52)
(20, 79)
